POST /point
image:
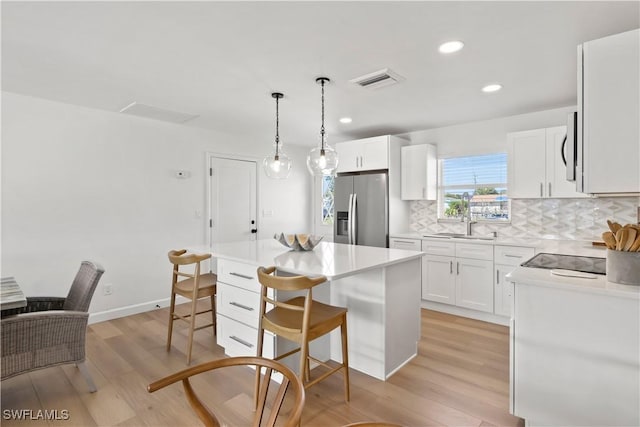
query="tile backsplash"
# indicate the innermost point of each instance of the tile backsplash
(582, 219)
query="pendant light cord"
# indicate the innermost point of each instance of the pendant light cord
(322, 126)
(277, 127)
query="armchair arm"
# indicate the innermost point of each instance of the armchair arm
(36, 340)
(37, 304)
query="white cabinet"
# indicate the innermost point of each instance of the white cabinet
(400, 243)
(507, 258)
(464, 280)
(536, 168)
(363, 154)
(238, 309)
(419, 172)
(609, 114)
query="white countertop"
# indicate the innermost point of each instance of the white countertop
(599, 284)
(333, 260)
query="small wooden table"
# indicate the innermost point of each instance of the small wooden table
(11, 295)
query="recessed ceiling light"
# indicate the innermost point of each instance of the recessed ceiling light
(450, 47)
(494, 87)
(345, 120)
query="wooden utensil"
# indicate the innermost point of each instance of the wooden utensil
(630, 239)
(636, 244)
(621, 237)
(609, 239)
(613, 226)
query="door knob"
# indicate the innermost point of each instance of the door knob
(254, 230)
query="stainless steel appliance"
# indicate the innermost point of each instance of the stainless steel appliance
(361, 204)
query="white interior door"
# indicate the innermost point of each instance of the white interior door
(232, 197)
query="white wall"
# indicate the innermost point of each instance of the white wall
(488, 136)
(80, 183)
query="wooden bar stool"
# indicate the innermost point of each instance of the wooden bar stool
(301, 320)
(194, 287)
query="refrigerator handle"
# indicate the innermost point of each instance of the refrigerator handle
(350, 213)
(354, 210)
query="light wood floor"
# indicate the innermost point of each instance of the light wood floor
(460, 378)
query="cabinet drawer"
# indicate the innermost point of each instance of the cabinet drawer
(239, 304)
(411, 244)
(238, 274)
(241, 340)
(438, 247)
(469, 250)
(512, 255)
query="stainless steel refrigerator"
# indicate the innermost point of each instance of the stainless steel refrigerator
(361, 204)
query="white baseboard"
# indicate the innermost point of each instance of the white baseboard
(129, 310)
(465, 312)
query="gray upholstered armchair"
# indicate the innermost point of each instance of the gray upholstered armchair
(50, 331)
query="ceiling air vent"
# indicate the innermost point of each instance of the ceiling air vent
(377, 79)
(150, 112)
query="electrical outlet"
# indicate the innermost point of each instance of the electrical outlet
(107, 289)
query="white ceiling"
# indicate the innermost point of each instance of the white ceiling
(222, 60)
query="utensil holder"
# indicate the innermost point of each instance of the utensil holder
(623, 267)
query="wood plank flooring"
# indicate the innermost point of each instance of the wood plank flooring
(460, 378)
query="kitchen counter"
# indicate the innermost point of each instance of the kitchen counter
(333, 260)
(380, 288)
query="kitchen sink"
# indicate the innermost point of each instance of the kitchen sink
(458, 236)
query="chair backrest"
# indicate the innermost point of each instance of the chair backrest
(269, 404)
(179, 258)
(83, 287)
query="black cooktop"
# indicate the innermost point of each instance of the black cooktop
(585, 264)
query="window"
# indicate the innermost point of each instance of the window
(327, 199)
(484, 178)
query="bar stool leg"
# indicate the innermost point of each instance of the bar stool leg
(345, 358)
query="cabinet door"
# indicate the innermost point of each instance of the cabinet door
(348, 156)
(474, 284)
(438, 279)
(503, 291)
(610, 113)
(418, 172)
(375, 153)
(526, 164)
(557, 185)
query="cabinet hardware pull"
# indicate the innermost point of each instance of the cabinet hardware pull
(450, 267)
(241, 341)
(242, 306)
(498, 276)
(458, 268)
(549, 189)
(424, 193)
(404, 241)
(541, 189)
(241, 275)
(512, 256)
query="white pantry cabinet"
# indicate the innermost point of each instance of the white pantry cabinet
(609, 114)
(536, 169)
(419, 167)
(363, 154)
(507, 258)
(464, 279)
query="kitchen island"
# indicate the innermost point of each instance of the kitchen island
(575, 350)
(380, 288)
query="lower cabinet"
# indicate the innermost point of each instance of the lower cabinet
(464, 282)
(507, 258)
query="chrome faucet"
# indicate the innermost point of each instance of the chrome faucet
(466, 196)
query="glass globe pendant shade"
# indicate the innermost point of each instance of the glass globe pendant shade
(277, 166)
(322, 161)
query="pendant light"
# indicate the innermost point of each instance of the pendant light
(322, 160)
(277, 166)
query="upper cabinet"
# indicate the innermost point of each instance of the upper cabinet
(536, 166)
(419, 172)
(609, 114)
(363, 154)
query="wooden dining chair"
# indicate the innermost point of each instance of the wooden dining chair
(269, 404)
(194, 287)
(301, 320)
